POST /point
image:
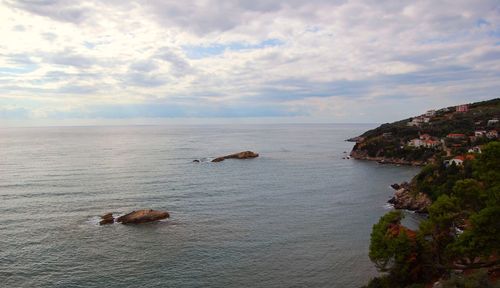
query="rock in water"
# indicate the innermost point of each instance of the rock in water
(241, 155)
(142, 216)
(107, 219)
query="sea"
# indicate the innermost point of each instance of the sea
(299, 215)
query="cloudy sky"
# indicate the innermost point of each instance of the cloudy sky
(297, 61)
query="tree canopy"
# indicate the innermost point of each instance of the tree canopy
(462, 231)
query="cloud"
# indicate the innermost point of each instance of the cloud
(178, 65)
(143, 66)
(60, 10)
(13, 113)
(319, 58)
(144, 80)
(68, 58)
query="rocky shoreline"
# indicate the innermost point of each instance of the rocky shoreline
(405, 198)
(383, 160)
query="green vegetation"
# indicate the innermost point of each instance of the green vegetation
(461, 233)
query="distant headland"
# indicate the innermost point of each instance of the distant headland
(448, 132)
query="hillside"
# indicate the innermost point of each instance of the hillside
(456, 245)
(425, 138)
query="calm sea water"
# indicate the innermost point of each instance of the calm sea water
(298, 216)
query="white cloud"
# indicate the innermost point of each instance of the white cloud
(326, 54)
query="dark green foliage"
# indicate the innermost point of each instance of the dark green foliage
(476, 280)
(394, 249)
(482, 238)
(470, 194)
(382, 251)
(381, 282)
(462, 230)
(437, 179)
(488, 169)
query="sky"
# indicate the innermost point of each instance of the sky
(160, 61)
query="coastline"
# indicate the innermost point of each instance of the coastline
(383, 160)
(404, 198)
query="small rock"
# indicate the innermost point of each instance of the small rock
(241, 155)
(395, 186)
(107, 219)
(142, 216)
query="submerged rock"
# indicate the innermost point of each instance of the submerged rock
(142, 216)
(196, 161)
(241, 155)
(107, 219)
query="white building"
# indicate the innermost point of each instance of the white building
(475, 149)
(480, 133)
(458, 161)
(427, 143)
(417, 121)
(492, 122)
(430, 113)
(415, 142)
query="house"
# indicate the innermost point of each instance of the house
(492, 122)
(480, 133)
(429, 143)
(462, 108)
(430, 113)
(457, 160)
(415, 143)
(475, 149)
(455, 136)
(425, 137)
(387, 134)
(492, 134)
(416, 121)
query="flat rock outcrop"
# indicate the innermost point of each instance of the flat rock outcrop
(240, 155)
(142, 216)
(404, 198)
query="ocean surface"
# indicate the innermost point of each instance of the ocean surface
(297, 216)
